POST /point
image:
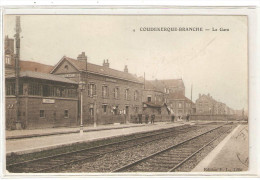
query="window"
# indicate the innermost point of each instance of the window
(136, 95)
(104, 108)
(35, 89)
(136, 109)
(91, 111)
(66, 67)
(180, 105)
(127, 94)
(126, 110)
(45, 90)
(159, 111)
(71, 92)
(116, 93)
(10, 88)
(91, 89)
(105, 92)
(66, 113)
(149, 98)
(42, 113)
(7, 59)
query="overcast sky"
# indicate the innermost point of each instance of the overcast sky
(214, 62)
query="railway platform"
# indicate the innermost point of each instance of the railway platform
(231, 154)
(44, 139)
(21, 134)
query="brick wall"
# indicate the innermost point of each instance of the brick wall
(30, 112)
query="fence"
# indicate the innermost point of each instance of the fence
(221, 117)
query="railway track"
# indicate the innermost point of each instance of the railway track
(49, 163)
(171, 158)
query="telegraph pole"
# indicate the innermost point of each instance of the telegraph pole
(17, 70)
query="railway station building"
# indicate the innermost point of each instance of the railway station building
(108, 95)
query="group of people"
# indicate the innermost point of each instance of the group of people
(140, 118)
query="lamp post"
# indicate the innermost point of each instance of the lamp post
(81, 87)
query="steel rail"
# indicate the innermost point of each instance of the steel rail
(164, 150)
(193, 154)
(169, 130)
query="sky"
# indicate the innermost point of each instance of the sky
(214, 62)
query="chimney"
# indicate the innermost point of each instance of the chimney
(208, 95)
(106, 63)
(82, 57)
(199, 95)
(126, 69)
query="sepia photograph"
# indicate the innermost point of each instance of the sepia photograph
(125, 94)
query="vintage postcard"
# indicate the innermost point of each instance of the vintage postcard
(131, 94)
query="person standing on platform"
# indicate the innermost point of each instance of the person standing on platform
(188, 117)
(146, 118)
(140, 118)
(152, 119)
(173, 117)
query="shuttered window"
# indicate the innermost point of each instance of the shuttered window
(116, 93)
(105, 91)
(92, 89)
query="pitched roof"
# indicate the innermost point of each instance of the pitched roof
(159, 85)
(35, 66)
(45, 76)
(156, 85)
(173, 82)
(179, 96)
(97, 69)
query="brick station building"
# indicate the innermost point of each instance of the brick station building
(45, 101)
(110, 96)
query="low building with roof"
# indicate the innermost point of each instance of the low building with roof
(45, 101)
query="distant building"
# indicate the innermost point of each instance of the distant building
(180, 105)
(9, 56)
(174, 86)
(9, 60)
(155, 96)
(207, 105)
(168, 94)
